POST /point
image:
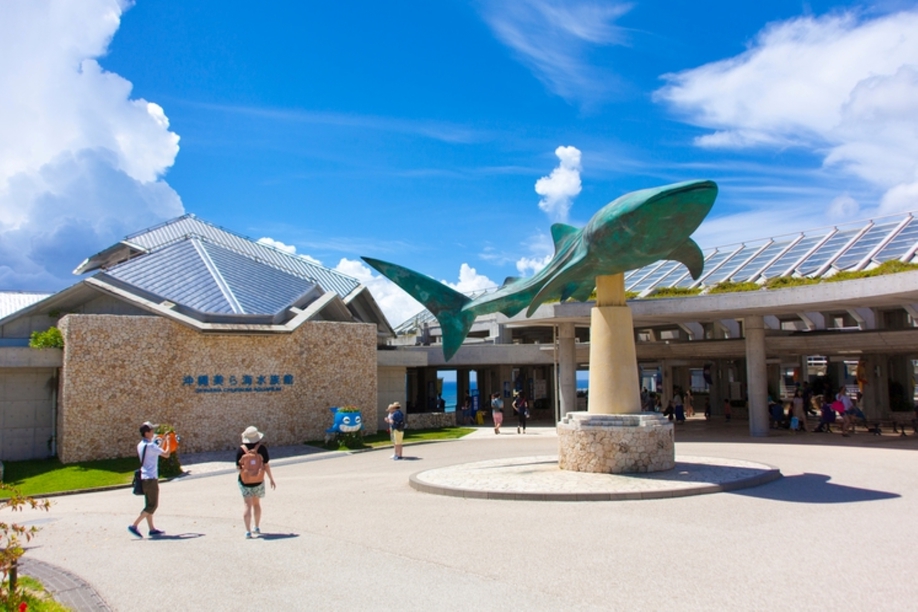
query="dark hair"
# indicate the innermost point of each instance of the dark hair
(144, 429)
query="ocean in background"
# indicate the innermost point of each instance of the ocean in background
(449, 394)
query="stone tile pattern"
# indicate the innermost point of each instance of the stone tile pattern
(430, 420)
(615, 443)
(66, 588)
(538, 478)
(119, 371)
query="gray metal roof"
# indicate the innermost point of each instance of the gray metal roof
(13, 301)
(815, 253)
(189, 226)
(209, 278)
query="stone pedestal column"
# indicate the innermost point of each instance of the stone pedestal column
(756, 375)
(614, 436)
(614, 380)
(567, 368)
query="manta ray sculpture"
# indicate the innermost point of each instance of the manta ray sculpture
(633, 231)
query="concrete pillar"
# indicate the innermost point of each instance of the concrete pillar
(756, 375)
(614, 381)
(567, 368)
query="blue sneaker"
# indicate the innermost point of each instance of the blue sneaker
(135, 531)
(156, 532)
(258, 531)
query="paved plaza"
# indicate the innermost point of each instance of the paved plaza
(348, 531)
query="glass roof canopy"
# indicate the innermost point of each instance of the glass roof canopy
(814, 253)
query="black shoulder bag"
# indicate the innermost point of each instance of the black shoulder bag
(138, 481)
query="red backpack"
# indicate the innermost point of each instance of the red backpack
(252, 466)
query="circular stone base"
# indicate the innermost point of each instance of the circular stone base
(540, 479)
(615, 443)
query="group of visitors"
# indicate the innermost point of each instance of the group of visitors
(840, 408)
(520, 406)
(251, 462)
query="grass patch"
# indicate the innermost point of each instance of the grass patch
(733, 287)
(42, 476)
(37, 597)
(381, 438)
(781, 282)
(893, 266)
(671, 292)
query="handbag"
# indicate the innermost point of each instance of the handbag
(137, 484)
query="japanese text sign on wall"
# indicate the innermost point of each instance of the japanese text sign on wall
(237, 383)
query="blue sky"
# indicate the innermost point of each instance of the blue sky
(419, 132)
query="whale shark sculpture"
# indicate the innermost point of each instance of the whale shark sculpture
(633, 231)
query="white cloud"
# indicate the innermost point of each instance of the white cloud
(843, 207)
(80, 161)
(470, 281)
(541, 250)
(277, 244)
(395, 302)
(561, 185)
(841, 86)
(552, 37)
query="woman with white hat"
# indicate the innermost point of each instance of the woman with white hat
(252, 462)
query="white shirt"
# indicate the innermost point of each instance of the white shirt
(149, 469)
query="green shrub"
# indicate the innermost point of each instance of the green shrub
(893, 266)
(780, 282)
(668, 292)
(733, 287)
(13, 538)
(50, 338)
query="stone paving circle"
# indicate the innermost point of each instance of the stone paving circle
(539, 478)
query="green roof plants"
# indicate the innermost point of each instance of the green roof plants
(733, 287)
(671, 292)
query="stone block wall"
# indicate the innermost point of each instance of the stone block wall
(119, 371)
(615, 443)
(430, 420)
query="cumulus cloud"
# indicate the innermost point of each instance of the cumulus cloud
(842, 86)
(561, 186)
(394, 301)
(287, 248)
(843, 207)
(81, 163)
(552, 39)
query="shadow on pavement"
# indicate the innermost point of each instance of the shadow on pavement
(178, 536)
(277, 536)
(813, 489)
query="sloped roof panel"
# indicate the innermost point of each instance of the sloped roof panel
(258, 288)
(191, 226)
(176, 273)
(13, 301)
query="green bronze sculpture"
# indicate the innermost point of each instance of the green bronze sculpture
(633, 231)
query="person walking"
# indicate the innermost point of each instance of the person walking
(149, 453)
(678, 406)
(521, 407)
(799, 411)
(252, 462)
(395, 419)
(497, 411)
(689, 403)
(849, 413)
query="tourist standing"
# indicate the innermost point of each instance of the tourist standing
(798, 408)
(849, 413)
(252, 462)
(678, 406)
(396, 422)
(497, 411)
(689, 403)
(728, 410)
(149, 453)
